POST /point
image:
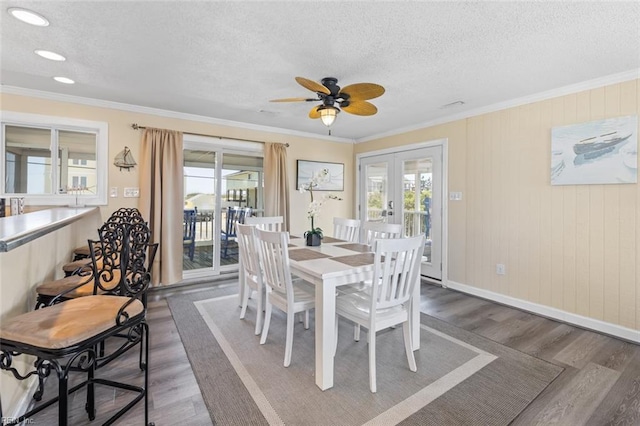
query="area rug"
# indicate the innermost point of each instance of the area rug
(462, 378)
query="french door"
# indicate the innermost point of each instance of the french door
(406, 188)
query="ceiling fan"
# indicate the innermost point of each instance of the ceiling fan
(351, 99)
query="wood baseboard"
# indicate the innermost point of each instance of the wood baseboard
(549, 312)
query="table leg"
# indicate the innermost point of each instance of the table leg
(325, 334)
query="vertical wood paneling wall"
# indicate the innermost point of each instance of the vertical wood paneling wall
(575, 248)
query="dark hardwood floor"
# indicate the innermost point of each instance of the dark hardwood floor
(600, 384)
(601, 381)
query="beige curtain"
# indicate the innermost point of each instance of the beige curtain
(276, 182)
(162, 199)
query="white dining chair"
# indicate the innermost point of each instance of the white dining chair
(370, 232)
(346, 229)
(282, 292)
(250, 265)
(387, 302)
(375, 230)
(268, 223)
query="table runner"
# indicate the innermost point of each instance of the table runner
(306, 254)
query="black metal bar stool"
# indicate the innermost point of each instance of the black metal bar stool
(65, 337)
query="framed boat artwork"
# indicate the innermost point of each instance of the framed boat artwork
(596, 152)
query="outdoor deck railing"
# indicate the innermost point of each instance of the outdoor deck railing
(415, 222)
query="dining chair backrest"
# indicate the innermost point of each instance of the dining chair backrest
(189, 225)
(244, 213)
(346, 229)
(189, 231)
(396, 264)
(273, 252)
(230, 222)
(377, 230)
(248, 250)
(235, 215)
(268, 223)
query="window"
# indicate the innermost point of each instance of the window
(79, 183)
(53, 160)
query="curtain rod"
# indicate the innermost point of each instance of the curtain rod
(135, 126)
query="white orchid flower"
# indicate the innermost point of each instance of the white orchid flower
(313, 211)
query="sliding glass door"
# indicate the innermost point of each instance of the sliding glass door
(219, 183)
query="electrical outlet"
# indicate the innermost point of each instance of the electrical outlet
(501, 269)
(132, 192)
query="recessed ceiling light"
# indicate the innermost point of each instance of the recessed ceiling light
(50, 55)
(64, 80)
(28, 16)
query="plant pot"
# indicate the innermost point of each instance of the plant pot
(313, 239)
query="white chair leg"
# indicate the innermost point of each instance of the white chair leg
(372, 361)
(259, 313)
(406, 329)
(267, 321)
(245, 301)
(335, 340)
(289, 339)
(306, 319)
(356, 332)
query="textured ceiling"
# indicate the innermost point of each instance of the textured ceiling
(226, 60)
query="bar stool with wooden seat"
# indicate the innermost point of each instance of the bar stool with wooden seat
(122, 215)
(81, 265)
(81, 283)
(65, 337)
(102, 276)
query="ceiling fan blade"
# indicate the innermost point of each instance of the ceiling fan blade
(294, 100)
(312, 85)
(362, 91)
(360, 108)
(315, 112)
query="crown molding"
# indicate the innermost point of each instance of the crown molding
(537, 97)
(554, 93)
(13, 90)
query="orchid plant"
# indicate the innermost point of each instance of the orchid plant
(316, 204)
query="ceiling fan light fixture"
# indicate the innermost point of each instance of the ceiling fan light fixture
(328, 115)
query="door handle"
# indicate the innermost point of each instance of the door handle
(390, 204)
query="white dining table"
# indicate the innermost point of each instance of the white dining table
(332, 264)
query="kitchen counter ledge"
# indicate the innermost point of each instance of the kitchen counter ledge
(21, 229)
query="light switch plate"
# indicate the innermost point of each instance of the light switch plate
(113, 192)
(132, 192)
(455, 196)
